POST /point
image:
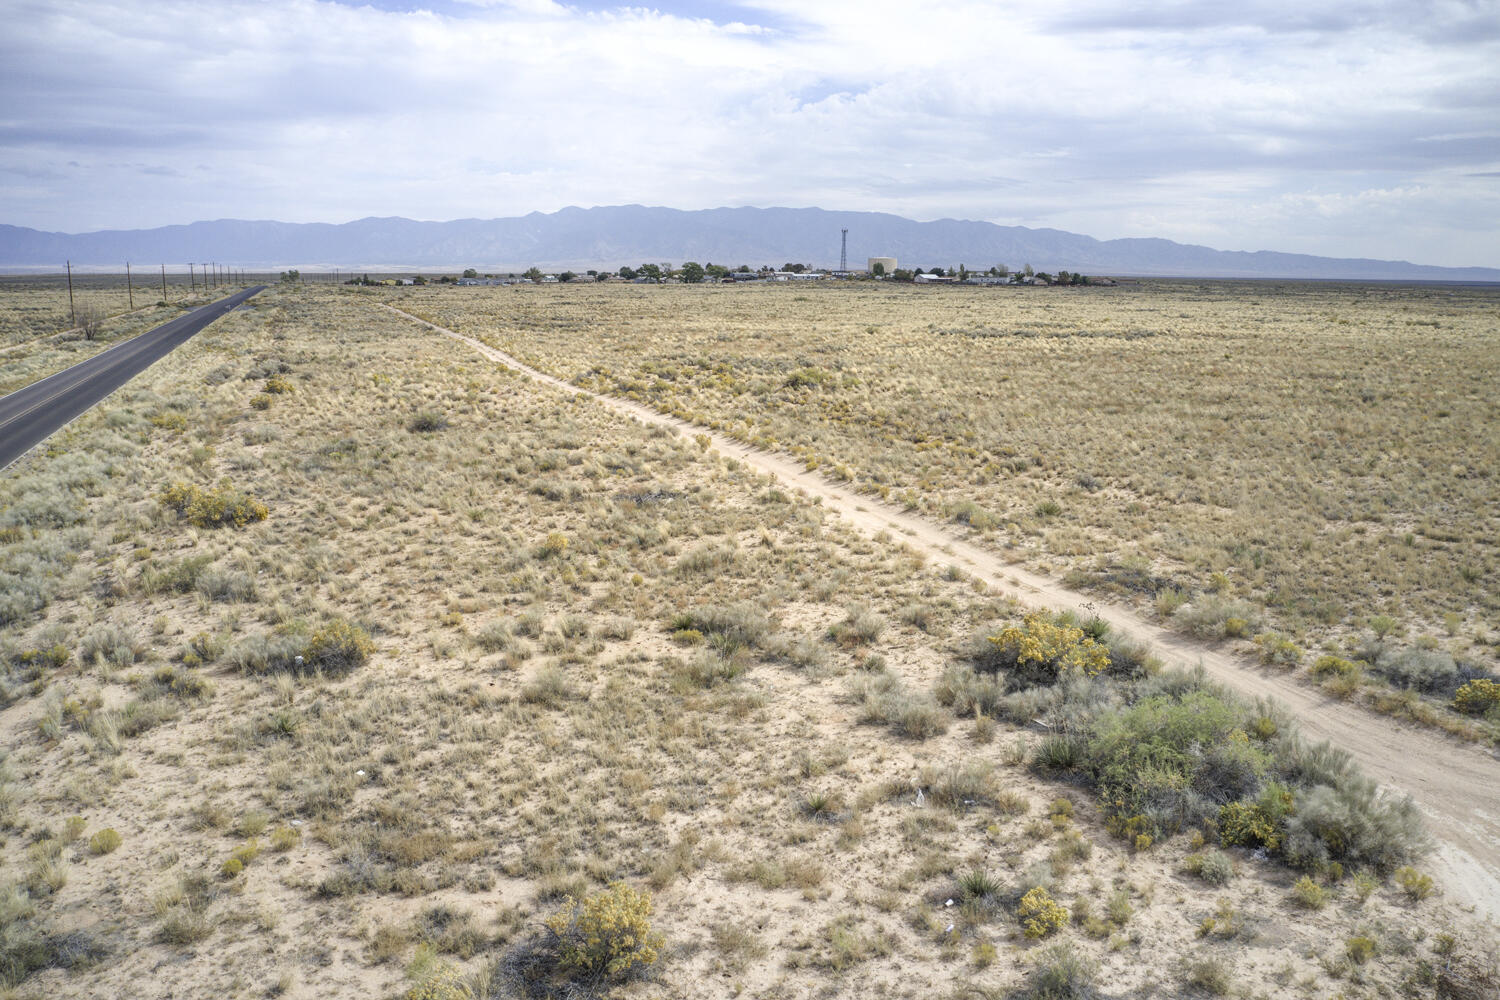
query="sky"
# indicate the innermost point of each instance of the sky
(1361, 128)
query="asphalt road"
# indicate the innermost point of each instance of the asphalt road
(31, 415)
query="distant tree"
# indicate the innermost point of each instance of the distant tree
(902, 274)
(666, 270)
(715, 270)
(534, 275)
(419, 280)
(878, 270)
(601, 276)
(652, 271)
(1002, 270)
(1028, 271)
(91, 322)
(566, 276)
(963, 272)
(592, 273)
(469, 272)
(692, 272)
(292, 275)
(1063, 277)
(937, 272)
(743, 269)
(916, 272)
(629, 273)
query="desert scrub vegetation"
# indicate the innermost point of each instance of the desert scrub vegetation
(1300, 503)
(224, 506)
(529, 727)
(1168, 751)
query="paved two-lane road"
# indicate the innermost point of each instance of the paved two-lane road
(31, 415)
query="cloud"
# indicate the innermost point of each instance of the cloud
(1180, 121)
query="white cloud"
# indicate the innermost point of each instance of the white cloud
(1194, 124)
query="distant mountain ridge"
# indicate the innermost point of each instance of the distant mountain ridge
(609, 237)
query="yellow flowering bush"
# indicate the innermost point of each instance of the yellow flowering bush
(608, 934)
(1477, 697)
(222, 507)
(1040, 646)
(1040, 914)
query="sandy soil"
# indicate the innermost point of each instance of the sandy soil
(1457, 785)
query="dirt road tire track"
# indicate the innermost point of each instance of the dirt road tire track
(1456, 784)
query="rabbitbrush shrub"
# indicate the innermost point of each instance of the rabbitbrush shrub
(219, 508)
(1477, 697)
(1040, 914)
(607, 935)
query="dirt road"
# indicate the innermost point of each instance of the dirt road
(1456, 784)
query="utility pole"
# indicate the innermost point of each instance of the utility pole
(164, 282)
(192, 280)
(128, 289)
(71, 311)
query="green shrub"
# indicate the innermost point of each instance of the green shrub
(708, 668)
(1412, 882)
(741, 624)
(1149, 761)
(496, 637)
(1061, 973)
(1256, 824)
(222, 507)
(338, 647)
(1213, 616)
(860, 627)
(1428, 670)
(1040, 914)
(260, 402)
(1213, 867)
(1334, 666)
(268, 654)
(607, 935)
(179, 577)
(105, 841)
(276, 385)
(1278, 650)
(427, 422)
(1356, 824)
(1361, 949)
(444, 984)
(1209, 975)
(1309, 894)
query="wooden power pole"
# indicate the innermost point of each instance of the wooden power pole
(128, 289)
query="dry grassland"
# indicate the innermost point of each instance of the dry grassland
(32, 307)
(1309, 466)
(600, 653)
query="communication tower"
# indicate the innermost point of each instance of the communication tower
(844, 250)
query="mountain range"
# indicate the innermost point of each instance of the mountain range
(581, 238)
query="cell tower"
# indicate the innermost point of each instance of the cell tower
(844, 250)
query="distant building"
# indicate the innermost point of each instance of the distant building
(932, 279)
(888, 262)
